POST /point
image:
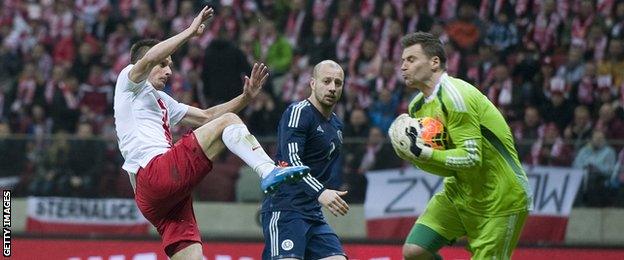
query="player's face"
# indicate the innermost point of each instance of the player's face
(416, 67)
(160, 74)
(327, 85)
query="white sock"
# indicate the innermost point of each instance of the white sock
(242, 143)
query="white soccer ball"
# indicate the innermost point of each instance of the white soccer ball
(397, 133)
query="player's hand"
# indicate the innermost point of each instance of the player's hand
(331, 200)
(405, 156)
(198, 27)
(254, 83)
(418, 150)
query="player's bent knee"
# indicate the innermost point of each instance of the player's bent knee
(217, 125)
(415, 252)
(231, 118)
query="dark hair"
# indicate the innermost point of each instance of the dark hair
(139, 49)
(430, 44)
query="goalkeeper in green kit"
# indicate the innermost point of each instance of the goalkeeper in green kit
(486, 196)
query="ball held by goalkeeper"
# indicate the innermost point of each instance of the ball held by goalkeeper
(415, 138)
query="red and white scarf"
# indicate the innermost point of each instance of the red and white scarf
(348, 45)
(555, 151)
(320, 8)
(182, 22)
(452, 63)
(604, 7)
(60, 24)
(380, 27)
(166, 10)
(126, 7)
(580, 29)
(389, 84)
(501, 93)
(339, 25)
(484, 9)
(522, 6)
(482, 75)
(116, 44)
(367, 7)
(360, 92)
(295, 87)
(544, 31)
(390, 49)
(562, 7)
(26, 90)
(90, 7)
(188, 64)
(293, 26)
(600, 47)
(71, 100)
(444, 10)
(585, 93)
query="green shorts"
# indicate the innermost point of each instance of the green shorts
(488, 237)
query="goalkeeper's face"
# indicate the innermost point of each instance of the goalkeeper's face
(160, 74)
(327, 85)
(416, 67)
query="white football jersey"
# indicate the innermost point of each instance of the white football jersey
(143, 120)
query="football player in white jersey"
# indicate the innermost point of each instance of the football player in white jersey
(162, 173)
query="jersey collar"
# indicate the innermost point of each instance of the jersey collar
(319, 112)
(436, 89)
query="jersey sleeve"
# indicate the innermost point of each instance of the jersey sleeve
(465, 133)
(126, 84)
(294, 128)
(177, 110)
(434, 169)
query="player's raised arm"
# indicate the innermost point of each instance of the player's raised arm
(164, 49)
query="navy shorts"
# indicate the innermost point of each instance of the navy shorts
(288, 235)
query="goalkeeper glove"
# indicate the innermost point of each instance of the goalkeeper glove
(418, 149)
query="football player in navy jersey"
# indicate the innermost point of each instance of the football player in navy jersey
(310, 134)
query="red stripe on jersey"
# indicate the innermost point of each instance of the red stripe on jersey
(165, 120)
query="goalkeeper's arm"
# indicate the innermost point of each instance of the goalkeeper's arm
(409, 157)
(465, 133)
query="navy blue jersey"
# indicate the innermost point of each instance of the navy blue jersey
(306, 137)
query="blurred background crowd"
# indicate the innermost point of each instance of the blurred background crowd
(555, 69)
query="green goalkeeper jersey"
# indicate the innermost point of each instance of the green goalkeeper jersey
(481, 166)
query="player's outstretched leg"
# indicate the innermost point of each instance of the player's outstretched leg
(229, 131)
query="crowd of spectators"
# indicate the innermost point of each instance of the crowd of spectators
(555, 69)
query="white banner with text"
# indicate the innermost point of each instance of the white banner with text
(81, 215)
(396, 197)
(405, 192)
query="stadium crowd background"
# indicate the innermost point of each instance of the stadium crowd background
(554, 68)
